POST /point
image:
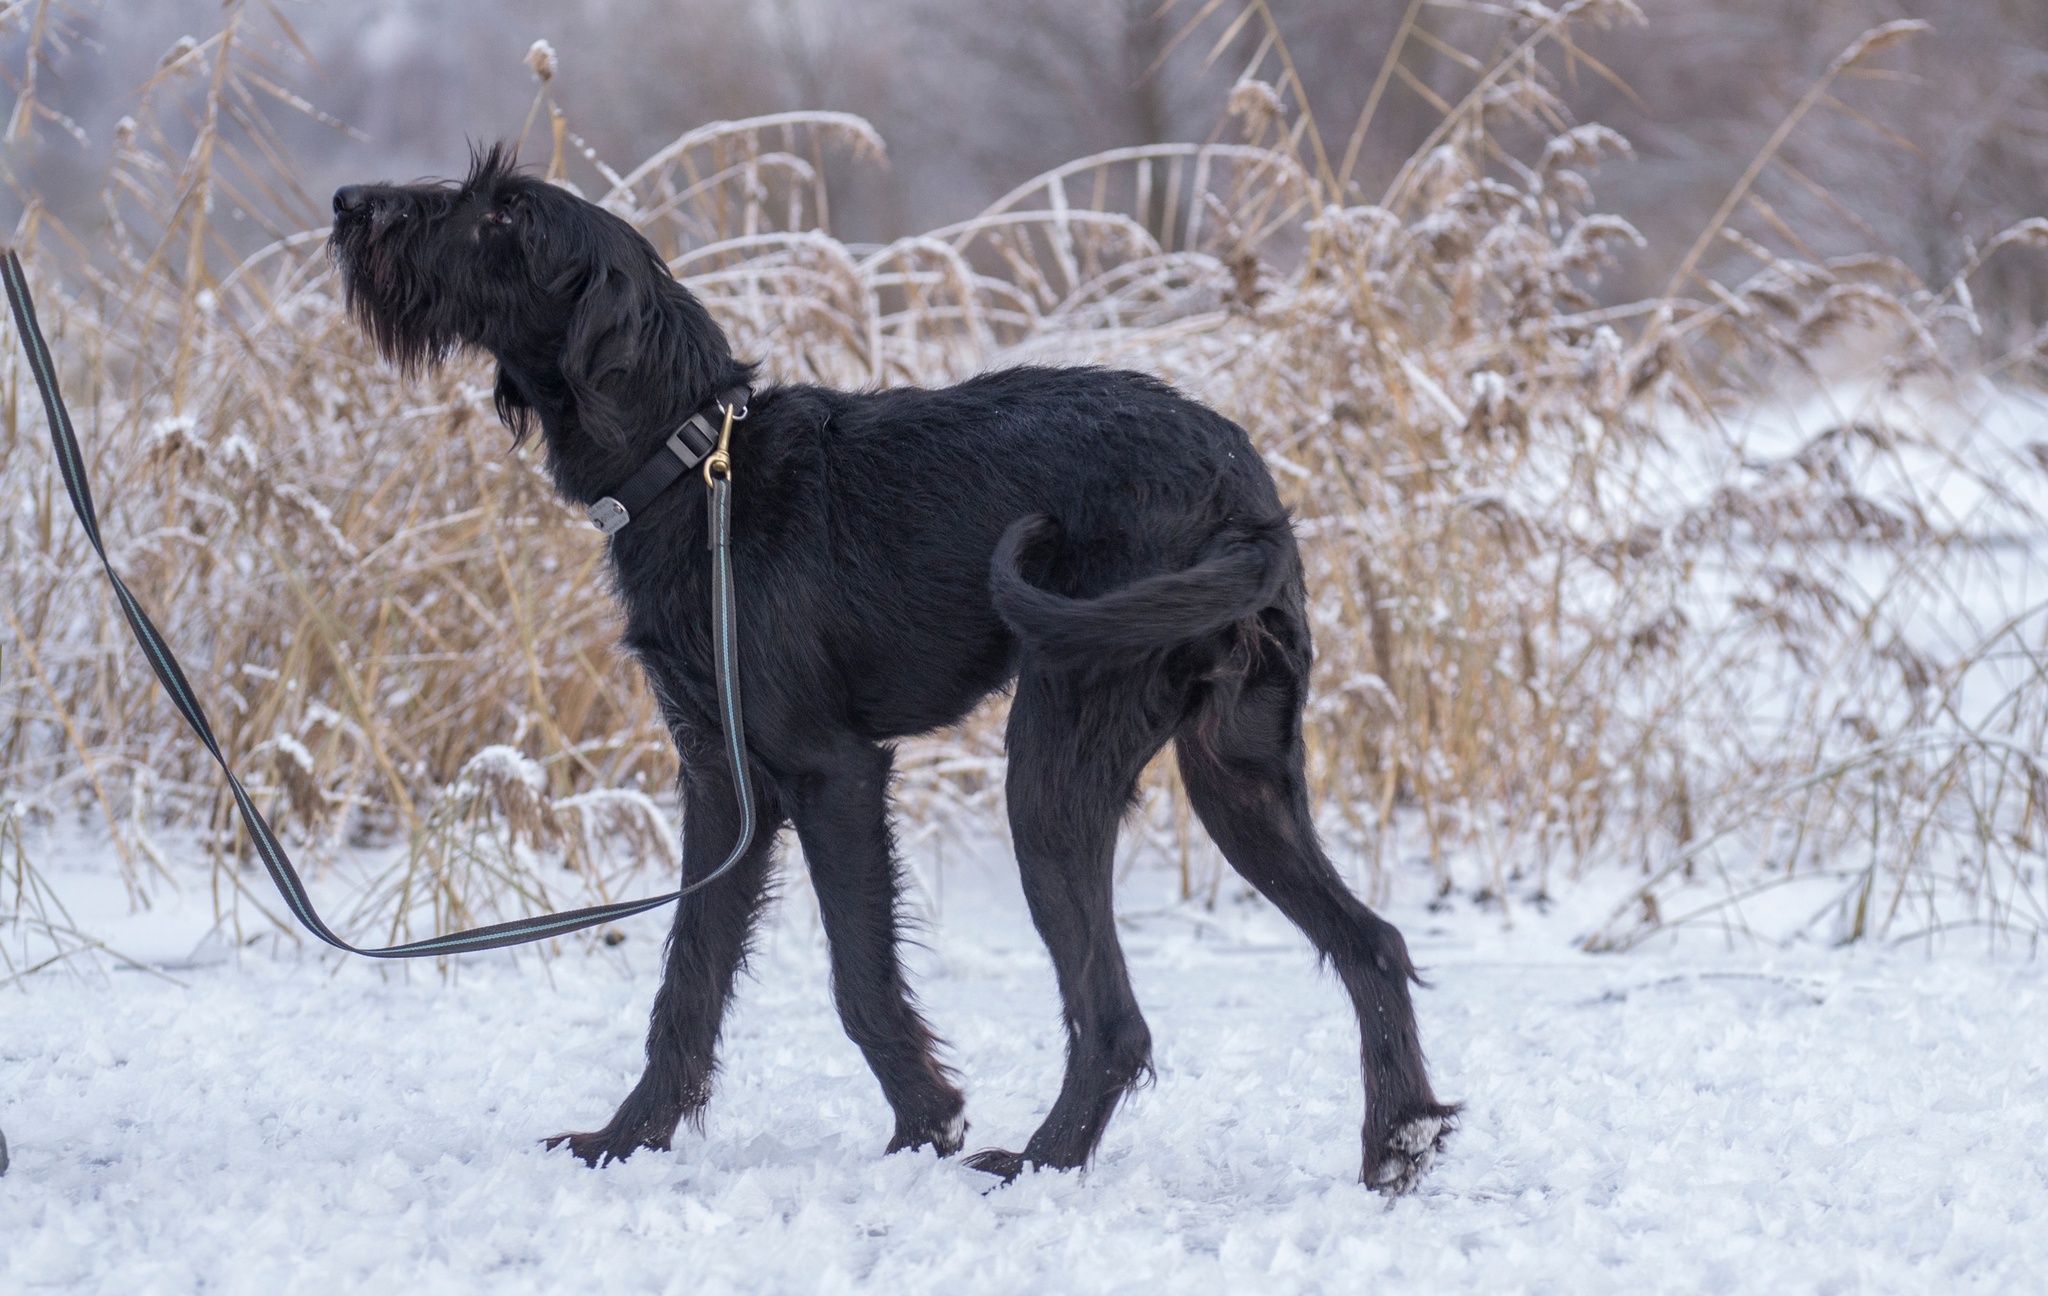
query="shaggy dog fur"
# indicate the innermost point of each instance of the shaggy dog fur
(1113, 551)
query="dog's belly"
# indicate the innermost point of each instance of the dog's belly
(923, 678)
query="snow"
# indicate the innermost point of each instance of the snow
(1700, 1115)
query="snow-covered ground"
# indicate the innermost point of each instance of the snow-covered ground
(1693, 1117)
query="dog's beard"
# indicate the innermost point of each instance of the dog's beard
(389, 299)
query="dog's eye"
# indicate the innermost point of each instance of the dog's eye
(497, 216)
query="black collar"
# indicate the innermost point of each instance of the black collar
(685, 449)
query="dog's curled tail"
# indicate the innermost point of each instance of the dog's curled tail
(1240, 576)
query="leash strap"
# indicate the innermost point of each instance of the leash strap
(71, 463)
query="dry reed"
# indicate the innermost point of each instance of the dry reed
(1585, 595)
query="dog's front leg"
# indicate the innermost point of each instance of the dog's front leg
(706, 949)
(842, 817)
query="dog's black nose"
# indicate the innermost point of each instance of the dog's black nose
(350, 199)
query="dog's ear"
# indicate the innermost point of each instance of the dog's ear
(639, 347)
(615, 323)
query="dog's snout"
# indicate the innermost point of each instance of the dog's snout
(350, 199)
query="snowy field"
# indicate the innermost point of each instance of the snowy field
(1696, 1117)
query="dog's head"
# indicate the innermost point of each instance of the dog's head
(577, 307)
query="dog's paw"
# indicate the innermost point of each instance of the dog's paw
(1411, 1150)
(1005, 1166)
(943, 1138)
(602, 1147)
(949, 1139)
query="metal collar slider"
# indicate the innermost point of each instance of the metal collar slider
(608, 515)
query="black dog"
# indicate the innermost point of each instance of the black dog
(1114, 550)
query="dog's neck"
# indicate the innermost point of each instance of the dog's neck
(583, 465)
(598, 434)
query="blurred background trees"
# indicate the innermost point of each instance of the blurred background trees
(975, 96)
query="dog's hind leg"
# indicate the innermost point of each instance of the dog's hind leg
(841, 815)
(1077, 746)
(706, 948)
(1241, 759)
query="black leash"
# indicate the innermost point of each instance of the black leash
(717, 476)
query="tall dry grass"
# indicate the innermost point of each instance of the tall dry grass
(1594, 585)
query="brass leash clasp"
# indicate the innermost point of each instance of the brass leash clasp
(719, 462)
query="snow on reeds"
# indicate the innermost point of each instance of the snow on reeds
(1729, 587)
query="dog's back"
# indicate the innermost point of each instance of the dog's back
(926, 538)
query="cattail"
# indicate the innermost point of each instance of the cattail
(540, 57)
